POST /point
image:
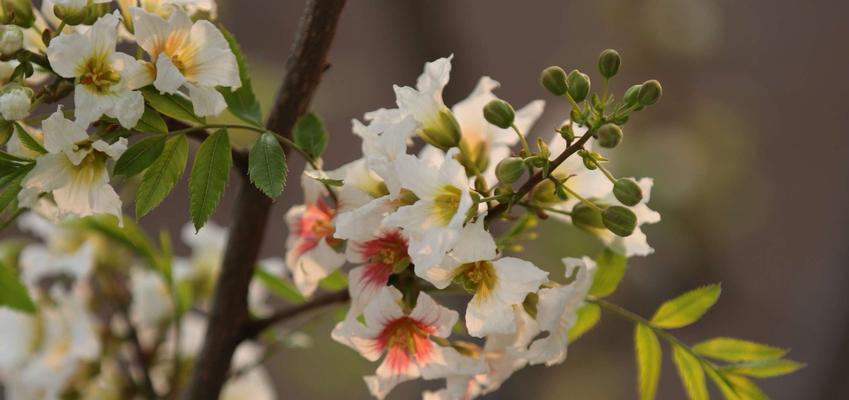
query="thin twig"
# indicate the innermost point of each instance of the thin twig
(257, 326)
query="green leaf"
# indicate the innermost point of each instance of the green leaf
(588, 316)
(13, 293)
(648, 360)
(691, 373)
(172, 105)
(279, 287)
(723, 384)
(151, 121)
(309, 135)
(28, 141)
(686, 308)
(334, 282)
(765, 369)
(267, 165)
(140, 155)
(210, 173)
(324, 178)
(130, 235)
(609, 272)
(737, 350)
(242, 101)
(162, 175)
(745, 388)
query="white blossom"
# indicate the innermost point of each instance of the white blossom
(15, 104)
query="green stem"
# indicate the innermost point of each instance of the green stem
(604, 171)
(572, 101)
(525, 148)
(544, 208)
(579, 197)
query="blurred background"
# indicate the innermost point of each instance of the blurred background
(748, 148)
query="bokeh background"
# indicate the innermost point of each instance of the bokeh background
(748, 148)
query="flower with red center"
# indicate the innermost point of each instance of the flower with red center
(407, 340)
(382, 255)
(311, 249)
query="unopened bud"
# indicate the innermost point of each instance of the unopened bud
(649, 93)
(11, 40)
(95, 11)
(608, 63)
(499, 113)
(15, 104)
(619, 220)
(630, 97)
(586, 217)
(609, 135)
(510, 169)
(627, 191)
(567, 132)
(443, 133)
(578, 84)
(18, 12)
(553, 79)
(72, 13)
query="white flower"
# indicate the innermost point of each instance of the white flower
(15, 104)
(433, 223)
(164, 8)
(381, 255)
(312, 253)
(406, 340)
(74, 170)
(11, 40)
(424, 103)
(151, 298)
(557, 311)
(498, 285)
(191, 55)
(105, 79)
(486, 143)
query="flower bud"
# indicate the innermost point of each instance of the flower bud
(95, 11)
(609, 135)
(608, 63)
(15, 104)
(18, 12)
(567, 132)
(630, 97)
(553, 79)
(11, 40)
(499, 113)
(578, 84)
(443, 133)
(72, 13)
(586, 217)
(619, 220)
(649, 93)
(627, 191)
(510, 169)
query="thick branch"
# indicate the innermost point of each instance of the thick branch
(229, 315)
(257, 326)
(538, 177)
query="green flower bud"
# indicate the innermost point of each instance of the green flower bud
(649, 93)
(544, 193)
(567, 132)
(443, 133)
(71, 14)
(11, 40)
(578, 84)
(627, 191)
(502, 191)
(95, 11)
(619, 220)
(18, 12)
(553, 79)
(510, 169)
(499, 113)
(586, 217)
(630, 97)
(609, 135)
(608, 63)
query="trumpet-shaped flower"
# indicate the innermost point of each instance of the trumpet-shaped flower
(437, 125)
(557, 311)
(105, 79)
(434, 221)
(498, 285)
(73, 171)
(407, 340)
(385, 253)
(191, 55)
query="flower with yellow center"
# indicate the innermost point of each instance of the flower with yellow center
(105, 79)
(434, 221)
(73, 171)
(498, 285)
(187, 55)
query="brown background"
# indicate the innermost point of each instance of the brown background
(748, 148)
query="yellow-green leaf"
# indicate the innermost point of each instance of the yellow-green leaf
(686, 308)
(723, 384)
(648, 361)
(209, 177)
(691, 373)
(13, 293)
(745, 388)
(765, 369)
(737, 350)
(588, 316)
(28, 141)
(609, 272)
(162, 175)
(334, 282)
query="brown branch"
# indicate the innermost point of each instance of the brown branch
(229, 314)
(257, 326)
(529, 185)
